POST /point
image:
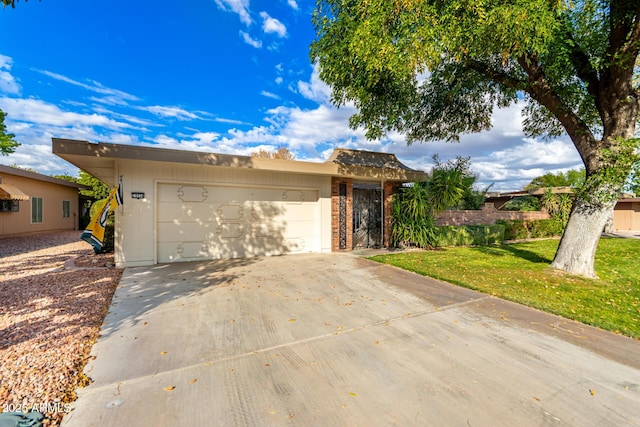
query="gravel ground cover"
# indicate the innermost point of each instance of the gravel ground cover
(54, 294)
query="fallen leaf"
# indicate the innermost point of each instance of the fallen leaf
(193, 380)
(163, 353)
(292, 320)
(536, 398)
(352, 394)
(266, 364)
(171, 387)
(593, 392)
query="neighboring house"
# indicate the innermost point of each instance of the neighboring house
(31, 202)
(626, 213)
(185, 205)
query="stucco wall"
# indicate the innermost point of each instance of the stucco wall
(136, 219)
(626, 216)
(13, 223)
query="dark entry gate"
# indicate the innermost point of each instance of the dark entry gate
(367, 216)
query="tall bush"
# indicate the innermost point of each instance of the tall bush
(416, 206)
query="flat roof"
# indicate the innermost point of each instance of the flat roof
(99, 160)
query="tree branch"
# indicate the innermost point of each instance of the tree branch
(584, 69)
(541, 91)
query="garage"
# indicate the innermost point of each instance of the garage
(196, 222)
(181, 205)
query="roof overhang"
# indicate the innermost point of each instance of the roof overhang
(99, 160)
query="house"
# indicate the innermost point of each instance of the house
(626, 213)
(184, 205)
(31, 202)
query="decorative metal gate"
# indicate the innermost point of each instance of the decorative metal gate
(367, 216)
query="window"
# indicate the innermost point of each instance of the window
(36, 210)
(66, 209)
(9, 206)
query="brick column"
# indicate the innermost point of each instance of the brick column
(341, 214)
(389, 189)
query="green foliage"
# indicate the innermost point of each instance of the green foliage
(603, 187)
(519, 229)
(11, 3)
(523, 204)
(478, 54)
(557, 205)
(632, 185)
(519, 272)
(572, 178)
(8, 144)
(415, 207)
(470, 235)
(98, 189)
(108, 243)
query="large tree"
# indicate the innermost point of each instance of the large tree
(8, 144)
(436, 69)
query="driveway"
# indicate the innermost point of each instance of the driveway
(337, 340)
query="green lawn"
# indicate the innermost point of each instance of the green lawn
(520, 272)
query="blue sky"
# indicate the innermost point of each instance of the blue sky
(227, 76)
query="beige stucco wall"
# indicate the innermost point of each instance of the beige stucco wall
(626, 216)
(13, 223)
(136, 220)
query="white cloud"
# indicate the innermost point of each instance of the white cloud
(293, 4)
(114, 96)
(8, 83)
(269, 95)
(272, 25)
(43, 113)
(316, 89)
(250, 41)
(240, 7)
(278, 80)
(171, 112)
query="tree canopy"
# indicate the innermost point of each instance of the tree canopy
(8, 144)
(436, 69)
(282, 153)
(572, 178)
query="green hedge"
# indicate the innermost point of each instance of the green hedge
(519, 229)
(108, 244)
(470, 235)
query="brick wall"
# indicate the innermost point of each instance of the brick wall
(388, 191)
(487, 215)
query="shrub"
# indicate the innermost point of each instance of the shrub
(108, 244)
(468, 235)
(518, 229)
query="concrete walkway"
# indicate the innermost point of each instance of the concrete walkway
(337, 340)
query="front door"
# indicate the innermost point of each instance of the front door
(367, 216)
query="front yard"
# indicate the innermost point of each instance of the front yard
(50, 316)
(520, 272)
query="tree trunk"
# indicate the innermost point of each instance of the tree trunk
(577, 250)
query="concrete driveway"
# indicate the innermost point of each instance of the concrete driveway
(337, 340)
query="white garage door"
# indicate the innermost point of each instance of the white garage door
(196, 222)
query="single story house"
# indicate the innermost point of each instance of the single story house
(31, 202)
(626, 213)
(184, 205)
